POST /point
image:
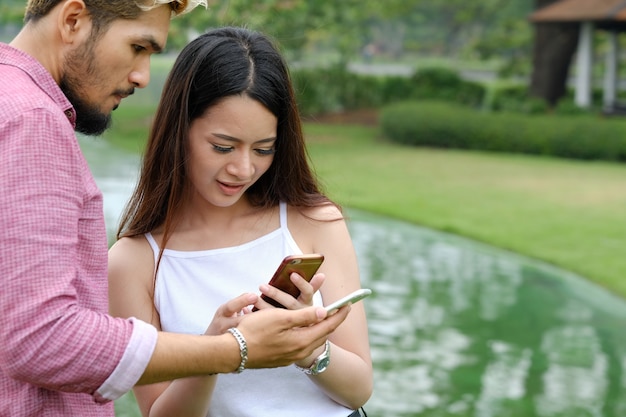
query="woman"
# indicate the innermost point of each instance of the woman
(225, 193)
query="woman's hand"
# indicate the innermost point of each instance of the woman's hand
(230, 313)
(305, 299)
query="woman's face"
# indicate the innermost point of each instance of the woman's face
(231, 145)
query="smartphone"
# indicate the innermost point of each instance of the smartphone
(348, 299)
(305, 265)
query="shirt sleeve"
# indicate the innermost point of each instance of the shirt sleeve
(54, 330)
(133, 363)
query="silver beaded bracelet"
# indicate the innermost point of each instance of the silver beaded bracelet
(243, 348)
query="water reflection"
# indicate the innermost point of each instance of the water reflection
(458, 328)
(462, 329)
(116, 174)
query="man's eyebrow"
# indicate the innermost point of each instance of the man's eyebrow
(156, 47)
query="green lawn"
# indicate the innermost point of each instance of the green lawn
(569, 213)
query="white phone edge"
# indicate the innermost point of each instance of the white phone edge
(348, 299)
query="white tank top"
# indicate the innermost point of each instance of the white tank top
(191, 285)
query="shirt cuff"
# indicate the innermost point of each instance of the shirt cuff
(133, 364)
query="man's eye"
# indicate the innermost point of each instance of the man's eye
(138, 48)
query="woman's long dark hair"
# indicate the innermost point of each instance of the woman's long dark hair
(221, 63)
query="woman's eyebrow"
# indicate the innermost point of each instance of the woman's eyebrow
(234, 139)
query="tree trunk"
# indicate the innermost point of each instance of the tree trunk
(554, 47)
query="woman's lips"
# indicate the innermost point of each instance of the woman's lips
(230, 189)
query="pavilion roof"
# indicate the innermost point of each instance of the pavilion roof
(582, 10)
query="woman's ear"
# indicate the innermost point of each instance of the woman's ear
(73, 21)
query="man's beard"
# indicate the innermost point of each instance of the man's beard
(89, 120)
(80, 69)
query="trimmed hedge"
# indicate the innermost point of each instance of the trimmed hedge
(445, 125)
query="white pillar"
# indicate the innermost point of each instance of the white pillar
(584, 58)
(610, 72)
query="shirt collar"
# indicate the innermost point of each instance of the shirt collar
(40, 76)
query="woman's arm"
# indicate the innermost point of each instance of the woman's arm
(131, 288)
(348, 378)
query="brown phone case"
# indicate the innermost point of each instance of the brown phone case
(305, 265)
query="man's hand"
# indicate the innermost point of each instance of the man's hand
(279, 337)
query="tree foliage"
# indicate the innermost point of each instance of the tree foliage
(481, 29)
(459, 28)
(12, 11)
(294, 23)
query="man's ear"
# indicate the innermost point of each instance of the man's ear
(73, 21)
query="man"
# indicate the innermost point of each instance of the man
(60, 353)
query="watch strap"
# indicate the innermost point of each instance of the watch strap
(320, 363)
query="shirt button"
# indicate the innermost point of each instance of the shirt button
(68, 114)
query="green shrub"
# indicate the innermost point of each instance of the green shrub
(568, 106)
(445, 125)
(396, 88)
(317, 90)
(325, 90)
(446, 84)
(516, 98)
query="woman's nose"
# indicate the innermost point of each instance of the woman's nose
(242, 166)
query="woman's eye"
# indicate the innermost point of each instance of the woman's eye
(222, 149)
(264, 152)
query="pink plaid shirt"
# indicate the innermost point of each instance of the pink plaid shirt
(60, 353)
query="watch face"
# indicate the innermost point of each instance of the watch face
(322, 365)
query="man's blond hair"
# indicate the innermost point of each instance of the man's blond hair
(103, 12)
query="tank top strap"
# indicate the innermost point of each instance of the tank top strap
(282, 206)
(153, 245)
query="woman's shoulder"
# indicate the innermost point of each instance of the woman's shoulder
(323, 213)
(319, 229)
(132, 243)
(313, 223)
(128, 251)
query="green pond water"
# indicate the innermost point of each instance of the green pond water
(459, 328)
